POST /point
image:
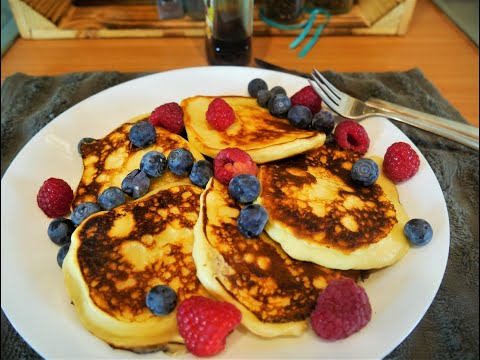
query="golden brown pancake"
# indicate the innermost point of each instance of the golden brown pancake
(317, 214)
(274, 292)
(107, 161)
(264, 137)
(117, 256)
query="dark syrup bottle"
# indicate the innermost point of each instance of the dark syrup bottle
(229, 32)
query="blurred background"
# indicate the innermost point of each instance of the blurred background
(464, 13)
(9, 27)
(44, 19)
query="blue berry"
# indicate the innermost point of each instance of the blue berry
(153, 163)
(180, 161)
(60, 230)
(111, 198)
(323, 121)
(244, 188)
(364, 172)
(255, 86)
(300, 116)
(62, 252)
(252, 220)
(86, 140)
(418, 231)
(142, 134)
(279, 104)
(263, 96)
(83, 211)
(136, 184)
(278, 90)
(201, 172)
(161, 300)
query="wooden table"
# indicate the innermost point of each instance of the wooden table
(448, 58)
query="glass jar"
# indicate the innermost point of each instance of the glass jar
(195, 9)
(283, 11)
(229, 28)
(170, 9)
(334, 6)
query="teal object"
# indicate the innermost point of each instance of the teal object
(306, 25)
(9, 27)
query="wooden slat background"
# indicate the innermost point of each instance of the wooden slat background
(43, 19)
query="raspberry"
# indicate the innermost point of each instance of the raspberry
(168, 116)
(230, 162)
(205, 324)
(219, 114)
(342, 309)
(55, 197)
(309, 98)
(401, 162)
(351, 135)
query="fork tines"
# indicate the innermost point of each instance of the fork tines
(329, 93)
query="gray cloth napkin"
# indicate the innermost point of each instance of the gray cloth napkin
(449, 330)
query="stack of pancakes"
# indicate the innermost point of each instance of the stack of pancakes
(320, 227)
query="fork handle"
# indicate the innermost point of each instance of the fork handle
(463, 133)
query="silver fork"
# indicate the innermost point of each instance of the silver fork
(352, 108)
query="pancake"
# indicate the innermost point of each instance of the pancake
(274, 292)
(317, 214)
(107, 161)
(264, 137)
(117, 256)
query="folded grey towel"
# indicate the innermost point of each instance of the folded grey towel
(450, 327)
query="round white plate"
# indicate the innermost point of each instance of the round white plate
(32, 292)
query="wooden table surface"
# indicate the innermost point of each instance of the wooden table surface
(447, 57)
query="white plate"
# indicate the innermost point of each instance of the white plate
(33, 296)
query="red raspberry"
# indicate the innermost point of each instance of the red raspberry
(342, 309)
(205, 324)
(230, 162)
(55, 197)
(351, 135)
(401, 162)
(219, 114)
(168, 116)
(309, 98)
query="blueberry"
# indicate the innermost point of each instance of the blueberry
(60, 230)
(85, 140)
(255, 86)
(153, 163)
(111, 198)
(262, 98)
(323, 121)
(180, 161)
(244, 188)
(62, 252)
(84, 210)
(252, 220)
(161, 300)
(136, 183)
(300, 116)
(278, 90)
(142, 134)
(418, 231)
(364, 172)
(279, 104)
(201, 172)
